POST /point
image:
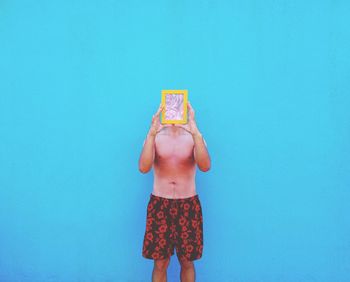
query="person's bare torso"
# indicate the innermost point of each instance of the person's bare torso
(174, 164)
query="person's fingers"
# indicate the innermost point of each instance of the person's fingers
(180, 125)
(157, 113)
(160, 127)
(161, 107)
(190, 107)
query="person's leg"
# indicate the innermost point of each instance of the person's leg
(189, 244)
(159, 273)
(187, 273)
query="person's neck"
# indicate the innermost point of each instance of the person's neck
(174, 129)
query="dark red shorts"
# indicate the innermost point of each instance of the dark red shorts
(173, 223)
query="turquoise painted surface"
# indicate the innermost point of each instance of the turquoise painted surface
(80, 81)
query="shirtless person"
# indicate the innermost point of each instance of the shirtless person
(174, 213)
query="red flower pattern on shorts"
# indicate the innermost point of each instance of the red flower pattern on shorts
(173, 223)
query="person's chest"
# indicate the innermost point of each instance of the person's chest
(174, 148)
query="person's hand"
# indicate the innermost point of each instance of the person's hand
(191, 125)
(156, 126)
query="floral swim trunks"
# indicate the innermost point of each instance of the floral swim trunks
(173, 223)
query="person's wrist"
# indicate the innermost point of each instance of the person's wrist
(196, 133)
(152, 133)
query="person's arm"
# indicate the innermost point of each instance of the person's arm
(148, 151)
(201, 154)
(147, 155)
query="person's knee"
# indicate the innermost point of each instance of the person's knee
(161, 264)
(186, 264)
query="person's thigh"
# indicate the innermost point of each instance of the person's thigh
(189, 244)
(157, 243)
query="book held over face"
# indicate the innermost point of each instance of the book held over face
(175, 110)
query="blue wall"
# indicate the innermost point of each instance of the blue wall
(79, 83)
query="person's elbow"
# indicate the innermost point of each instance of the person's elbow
(144, 169)
(205, 167)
